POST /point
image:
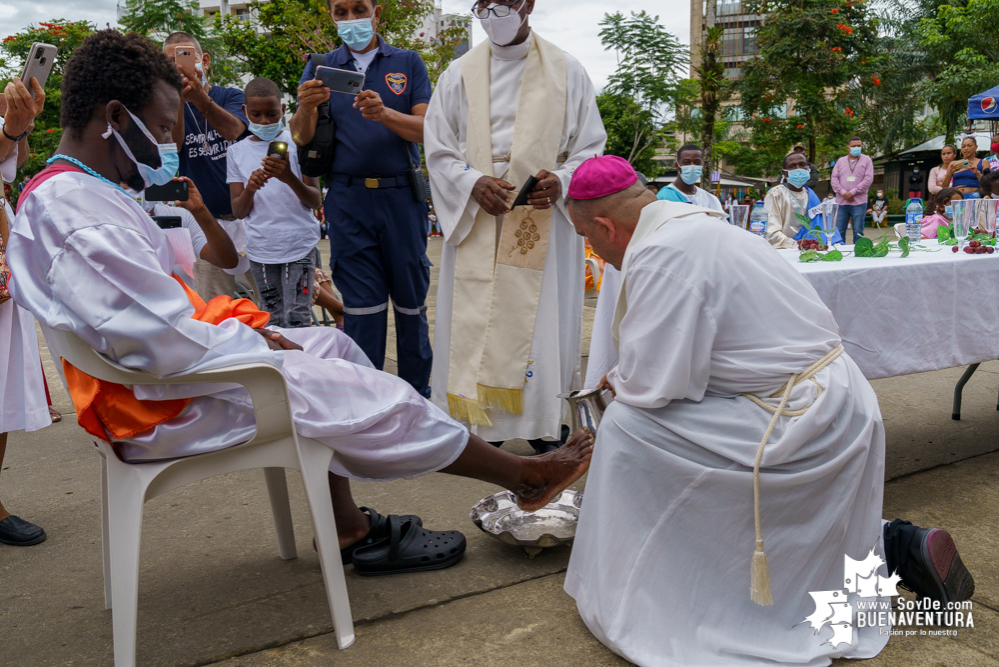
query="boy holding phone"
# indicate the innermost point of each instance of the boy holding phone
(276, 202)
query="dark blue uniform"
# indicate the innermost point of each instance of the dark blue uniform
(378, 232)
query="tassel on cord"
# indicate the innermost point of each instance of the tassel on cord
(498, 398)
(467, 410)
(759, 580)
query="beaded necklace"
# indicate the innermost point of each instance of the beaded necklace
(74, 161)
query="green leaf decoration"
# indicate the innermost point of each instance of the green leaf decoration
(944, 234)
(832, 256)
(809, 256)
(903, 243)
(864, 247)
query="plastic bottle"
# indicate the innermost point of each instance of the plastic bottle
(914, 220)
(758, 220)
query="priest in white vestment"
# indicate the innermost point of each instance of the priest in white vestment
(668, 565)
(508, 329)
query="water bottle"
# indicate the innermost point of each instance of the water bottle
(914, 220)
(758, 220)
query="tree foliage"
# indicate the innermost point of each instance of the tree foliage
(713, 90)
(961, 41)
(627, 123)
(649, 74)
(809, 52)
(292, 29)
(65, 36)
(158, 18)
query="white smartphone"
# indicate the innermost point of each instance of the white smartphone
(41, 59)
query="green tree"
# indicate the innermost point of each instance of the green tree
(158, 18)
(714, 90)
(649, 73)
(631, 132)
(797, 88)
(960, 42)
(276, 42)
(66, 36)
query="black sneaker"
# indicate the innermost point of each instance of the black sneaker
(933, 568)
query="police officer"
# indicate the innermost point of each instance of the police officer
(377, 227)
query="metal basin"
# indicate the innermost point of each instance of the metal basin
(552, 525)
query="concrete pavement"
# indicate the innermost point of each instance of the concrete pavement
(212, 587)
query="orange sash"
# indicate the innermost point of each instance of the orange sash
(104, 408)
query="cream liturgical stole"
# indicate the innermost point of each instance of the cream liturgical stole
(498, 282)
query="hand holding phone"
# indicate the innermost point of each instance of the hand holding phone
(41, 60)
(186, 58)
(340, 80)
(278, 168)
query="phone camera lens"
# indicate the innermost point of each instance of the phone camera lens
(42, 61)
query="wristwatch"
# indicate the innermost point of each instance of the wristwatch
(16, 139)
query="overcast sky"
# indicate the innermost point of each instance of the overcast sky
(571, 24)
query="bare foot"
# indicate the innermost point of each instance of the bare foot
(546, 476)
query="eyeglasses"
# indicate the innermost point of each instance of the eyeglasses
(482, 9)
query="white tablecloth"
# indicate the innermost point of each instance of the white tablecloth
(897, 316)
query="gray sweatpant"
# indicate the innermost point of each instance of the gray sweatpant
(286, 291)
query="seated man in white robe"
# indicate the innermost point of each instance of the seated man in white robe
(89, 260)
(729, 361)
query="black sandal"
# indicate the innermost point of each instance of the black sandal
(378, 532)
(409, 548)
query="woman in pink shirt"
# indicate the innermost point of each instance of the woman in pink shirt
(937, 174)
(942, 213)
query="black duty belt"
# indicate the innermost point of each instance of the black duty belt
(401, 181)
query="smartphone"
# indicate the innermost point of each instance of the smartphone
(172, 191)
(186, 57)
(41, 58)
(278, 148)
(965, 163)
(168, 221)
(524, 191)
(340, 80)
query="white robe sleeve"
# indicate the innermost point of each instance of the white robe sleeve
(451, 177)
(586, 136)
(666, 337)
(112, 282)
(8, 166)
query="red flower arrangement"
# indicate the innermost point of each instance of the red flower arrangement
(876, 79)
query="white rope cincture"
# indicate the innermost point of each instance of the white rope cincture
(759, 586)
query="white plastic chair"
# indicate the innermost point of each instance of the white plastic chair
(900, 230)
(125, 487)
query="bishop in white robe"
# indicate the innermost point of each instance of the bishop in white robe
(553, 363)
(661, 563)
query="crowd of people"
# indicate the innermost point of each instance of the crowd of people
(695, 443)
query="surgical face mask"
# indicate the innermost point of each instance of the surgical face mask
(267, 132)
(798, 177)
(691, 173)
(503, 29)
(855, 151)
(356, 34)
(915, 170)
(169, 157)
(949, 211)
(880, 195)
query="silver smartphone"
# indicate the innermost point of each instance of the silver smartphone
(41, 58)
(341, 80)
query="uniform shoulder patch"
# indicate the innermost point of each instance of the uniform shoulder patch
(397, 82)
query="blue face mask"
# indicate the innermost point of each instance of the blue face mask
(169, 157)
(356, 34)
(691, 173)
(267, 132)
(949, 211)
(855, 151)
(798, 177)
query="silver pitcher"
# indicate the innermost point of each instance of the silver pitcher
(586, 407)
